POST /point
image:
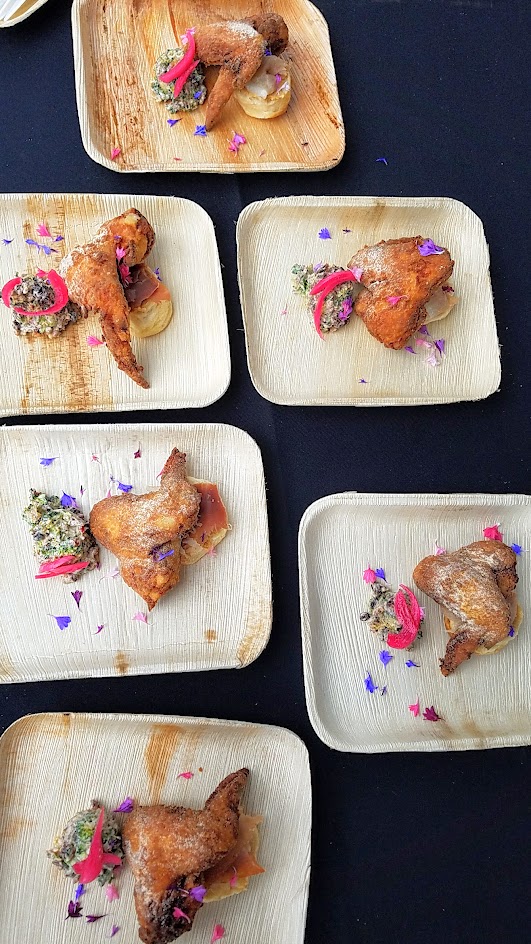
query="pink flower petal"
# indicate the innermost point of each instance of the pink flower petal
(179, 913)
(140, 617)
(217, 933)
(440, 550)
(187, 775)
(111, 892)
(120, 253)
(369, 576)
(394, 299)
(115, 153)
(93, 341)
(492, 533)
(431, 715)
(415, 709)
(42, 230)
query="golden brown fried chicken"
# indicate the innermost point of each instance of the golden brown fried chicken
(476, 586)
(145, 531)
(394, 268)
(91, 275)
(237, 46)
(170, 848)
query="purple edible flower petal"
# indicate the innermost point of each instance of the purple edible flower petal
(410, 349)
(166, 554)
(431, 715)
(138, 453)
(157, 273)
(58, 239)
(385, 657)
(200, 130)
(127, 806)
(47, 250)
(62, 621)
(410, 664)
(511, 631)
(114, 930)
(384, 690)
(267, 52)
(318, 266)
(428, 248)
(440, 345)
(99, 629)
(516, 548)
(381, 160)
(198, 94)
(67, 501)
(380, 572)
(31, 242)
(423, 329)
(47, 461)
(74, 910)
(124, 488)
(324, 233)
(362, 381)
(79, 891)
(369, 684)
(198, 892)
(347, 230)
(7, 242)
(173, 121)
(77, 594)
(90, 919)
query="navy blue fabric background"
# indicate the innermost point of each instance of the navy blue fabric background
(441, 89)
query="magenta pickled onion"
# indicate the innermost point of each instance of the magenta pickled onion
(59, 288)
(7, 289)
(408, 612)
(183, 63)
(61, 565)
(89, 869)
(183, 78)
(324, 287)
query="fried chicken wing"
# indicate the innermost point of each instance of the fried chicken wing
(237, 46)
(91, 275)
(476, 586)
(145, 532)
(170, 848)
(395, 267)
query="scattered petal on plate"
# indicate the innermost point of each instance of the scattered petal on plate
(493, 533)
(415, 709)
(236, 142)
(99, 629)
(200, 130)
(385, 657)
(380, 572)
(42, 230)
(187, 775)
(324, 233)
(173, 121)
(409, 349)
(7, 242)
(511, 631)
(440, 345)
(217, 933)
(58, 239)
(410, 664)
(179, 913)
(384, 690)
(77, 594)
(111, 892)
(362, 381)
(138, 453)
(93, 341)
(115, 153)
(369, 684)
(431, 715)
(47, 461)
(95, 458)
(127, 806)
(381, 160)
(369, 575)
(68, 501)
(428, 248)
(74, 910)
(198, 892)
(439, 550)
(62, 621)
(79, 891)
(114, 930)
(90, 919)
(517, 548)
(124, 488)
(140, 617)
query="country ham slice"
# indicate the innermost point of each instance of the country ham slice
(212, 524)
(144, 283)
(231, 875)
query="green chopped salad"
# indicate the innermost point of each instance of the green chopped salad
(194, 90)
(59, 531)
(73, 845)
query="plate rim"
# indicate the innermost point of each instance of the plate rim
(131, 404)
(234, 168)
(148, 670)
(304, 200)
(389, 499)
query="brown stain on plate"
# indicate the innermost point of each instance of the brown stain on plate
(14, 828)
(210, 636)
(161, 747)
(121, 663)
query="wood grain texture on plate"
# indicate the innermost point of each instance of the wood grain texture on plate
(485, 703)
(116, 45)
(54, 765)
(187, 365)
(218, 615)
(290, 364)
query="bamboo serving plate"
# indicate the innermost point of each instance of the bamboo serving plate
(485, 703)
(187, 365)
(290, 364)
(115, 48)
(218, 615)
(54, 765)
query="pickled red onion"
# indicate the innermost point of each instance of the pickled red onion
(408, 612)
(327, 285)
(59, 288)
(183, 63)
(182, 79)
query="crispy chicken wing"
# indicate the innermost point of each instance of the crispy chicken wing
(476, 586)
(395, 267)
(237, 46)
(145, 531)
(170, 848)
(91, 275)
